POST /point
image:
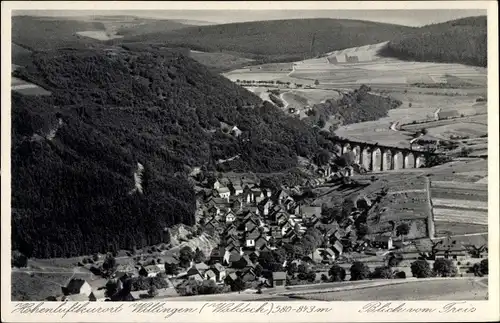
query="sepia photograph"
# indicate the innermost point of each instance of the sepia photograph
(248, 155)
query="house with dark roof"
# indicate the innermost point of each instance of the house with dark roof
(337, 248)
(220, 272)
(217, 255)
(149, 271)
(248, 275)
(382, 242)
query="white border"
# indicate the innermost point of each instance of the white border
(342, 311)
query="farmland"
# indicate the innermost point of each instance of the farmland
(98, 34)
(459, 207)
(219, 61)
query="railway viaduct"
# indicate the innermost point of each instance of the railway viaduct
(375, 157)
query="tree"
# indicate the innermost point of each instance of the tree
(111, 288)
(324, 278)
(337, 273)
(400, 275)
(316, 82)
(483, 266)
(402, 230)
(291, 269)
(322, 157)
(186, 255)
(421, 269)
(237, 285)
(393, 259)
(18, 259)
(152, 291)
(362, 230)
(109, 264)
(445, 268)
(382, 272)
(359, 271)
(424, 131)
(258, 270)
(199, 256)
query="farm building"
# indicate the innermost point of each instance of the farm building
(383, 242)
(279, 279)
(443, 115)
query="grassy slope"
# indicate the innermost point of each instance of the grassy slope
(459, 41)
(278, 39)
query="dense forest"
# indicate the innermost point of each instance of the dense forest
(74, 153)
(353, 107)
(461, 41)
(277, 40)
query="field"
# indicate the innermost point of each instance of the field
(38, 286)
(459, 207)
(98, 34)
(422, 87)
(219, 61)
(446, 289)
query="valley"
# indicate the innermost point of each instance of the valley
(193, 162)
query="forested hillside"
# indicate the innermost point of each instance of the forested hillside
(459, 41)
(277, 40)
(74, 153)
(353, 107)
(44, 33)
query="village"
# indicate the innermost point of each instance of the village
(265, 239)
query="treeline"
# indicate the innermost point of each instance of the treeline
(70, 195)
(353, 107)
(461, 41)
(272, 40)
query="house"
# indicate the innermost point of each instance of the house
(220, 271)
(97, 295)
(382, 242)
(230, 216)
(249, 275)
(216, 184)
(213, 210)
(279, 279)
(248, 195)
(250, 238)
(231, 278)
(442, 115)
(149, 271)
(451, 250)
(260, 242)
(236, 132)
(337, 248)
(210, 275)
(281, 196)
(77, 286)
(310, 211)
(224, 192)
(125, 269)
(259, 195)
(236, 189)
(327, 255)
(201, 267)
(217, 255)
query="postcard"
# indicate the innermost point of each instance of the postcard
(254, 161)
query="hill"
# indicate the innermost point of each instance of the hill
(76, 152)
(277, 40)
(150, 26)
(44, 33)
(458, 41)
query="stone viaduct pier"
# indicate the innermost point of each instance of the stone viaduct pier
(376, 158)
